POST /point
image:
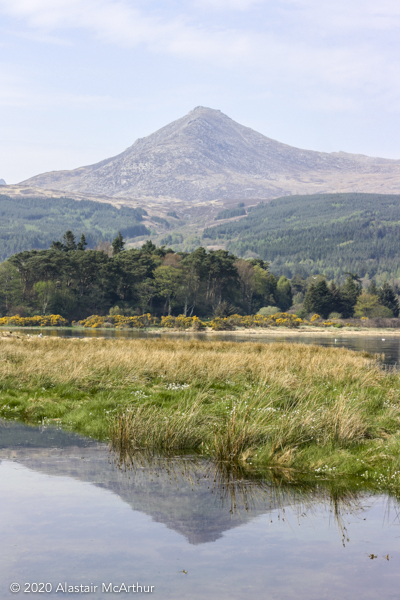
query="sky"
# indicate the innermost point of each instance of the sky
(81, 80)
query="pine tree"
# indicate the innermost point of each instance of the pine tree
(118, 244)
(82, 244)
(319, 299)
(388, 298)
(372, 289)
(69, 242)
(349, 293)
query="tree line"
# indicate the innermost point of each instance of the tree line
(76, 282)
(321, 233)
(34, 222)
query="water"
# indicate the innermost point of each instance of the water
(72, 513)
(386, 344)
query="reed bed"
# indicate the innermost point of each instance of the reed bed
(322, 409)
(85, 361)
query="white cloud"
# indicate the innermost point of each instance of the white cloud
(304, 54)
(228, 5)
(18, 93)
(344, 15)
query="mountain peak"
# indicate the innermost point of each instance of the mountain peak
(206, 156)
(207, 110)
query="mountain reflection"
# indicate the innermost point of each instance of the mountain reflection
(244, 492)
(198, 498)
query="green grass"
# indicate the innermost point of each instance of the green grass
(327, 412)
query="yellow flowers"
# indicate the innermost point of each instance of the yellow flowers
(138, 322)
(38, 321)
(168, 322)
(251, 321)
(119, 321)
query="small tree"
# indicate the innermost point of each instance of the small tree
(388, 298)
(372, 289)
(368, 306)
(118, 244)
(267, 311)
(69, 242)
(283, 293)
(349, 293)
(319, 299)
(167, 281)
(44, 291)
(57, 245)
(82, 244)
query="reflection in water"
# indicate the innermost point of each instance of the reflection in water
(73, 511)
(238, 489)
(196, 497)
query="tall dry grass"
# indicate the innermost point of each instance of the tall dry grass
(82, 362)
(247, 401)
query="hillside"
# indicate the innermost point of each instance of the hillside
(32, 222)
(206, 156)
(330, 233)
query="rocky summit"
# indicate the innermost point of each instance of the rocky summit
(206, 156)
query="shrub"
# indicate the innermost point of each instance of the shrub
(37, 321)
(368, 305)
(268, 311)
(334, 315)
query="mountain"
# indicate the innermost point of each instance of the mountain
(206, 156)
(2, 182)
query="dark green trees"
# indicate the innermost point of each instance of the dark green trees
(349, 293)
(283, 294)
(82, 244)
(319, 299)
(388, 298)
(118, 244)
(75, 282)
(69, 242)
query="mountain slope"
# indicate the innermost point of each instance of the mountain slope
(34, 222)
(329, 233)
(206, 156)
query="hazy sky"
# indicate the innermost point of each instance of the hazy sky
(82, 79)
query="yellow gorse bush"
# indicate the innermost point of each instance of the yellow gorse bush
(314, 318)
(252, 321)
(137, 322)
(182, 322)
(168, 322)
(37, 321)
(119, 321)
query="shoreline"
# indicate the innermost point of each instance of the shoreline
(240, 332)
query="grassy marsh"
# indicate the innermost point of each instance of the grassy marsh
(321, 410)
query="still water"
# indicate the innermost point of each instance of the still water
(73, 514)
(384, 344)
